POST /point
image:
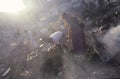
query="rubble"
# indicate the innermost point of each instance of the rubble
(31, 56)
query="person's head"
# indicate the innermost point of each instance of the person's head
(64, 15)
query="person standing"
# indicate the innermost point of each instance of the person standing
(75, 30)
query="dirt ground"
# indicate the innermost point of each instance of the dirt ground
(81, 67)
(71, 66)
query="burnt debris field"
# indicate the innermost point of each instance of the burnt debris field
(60, 39)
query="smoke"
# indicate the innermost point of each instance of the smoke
(75, 67)
(112, 40)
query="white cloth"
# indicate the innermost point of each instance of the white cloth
(56, 36)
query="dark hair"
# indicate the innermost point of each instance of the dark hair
(63, 14)
(70, 19)
(66, 16)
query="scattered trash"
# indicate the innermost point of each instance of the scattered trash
(32, 55)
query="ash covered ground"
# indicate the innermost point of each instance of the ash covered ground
(23, 55)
